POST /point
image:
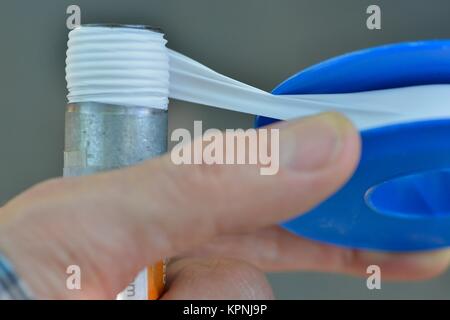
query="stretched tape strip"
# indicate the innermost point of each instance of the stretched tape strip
(129, 66)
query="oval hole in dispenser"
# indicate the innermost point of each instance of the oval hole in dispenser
(418, 195)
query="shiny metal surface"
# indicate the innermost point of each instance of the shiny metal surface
(101, 137)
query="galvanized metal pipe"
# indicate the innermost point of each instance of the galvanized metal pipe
(100, 137)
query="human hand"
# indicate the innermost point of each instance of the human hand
(219, 221)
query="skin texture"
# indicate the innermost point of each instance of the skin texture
(218, 221)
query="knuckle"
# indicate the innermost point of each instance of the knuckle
(49, 187)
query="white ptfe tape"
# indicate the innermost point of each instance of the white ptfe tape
(192, 81)
(117, 65)
(131, 67)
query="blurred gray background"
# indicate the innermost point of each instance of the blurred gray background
(259, 42)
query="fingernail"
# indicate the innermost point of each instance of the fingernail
(422, 260)
(314, 143)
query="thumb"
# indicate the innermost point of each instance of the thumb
(113, 224)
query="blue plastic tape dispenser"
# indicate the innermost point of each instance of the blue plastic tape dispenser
(399, 197)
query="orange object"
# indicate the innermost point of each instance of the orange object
(156, 280)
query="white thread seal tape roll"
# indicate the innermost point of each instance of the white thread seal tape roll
(122, 65)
